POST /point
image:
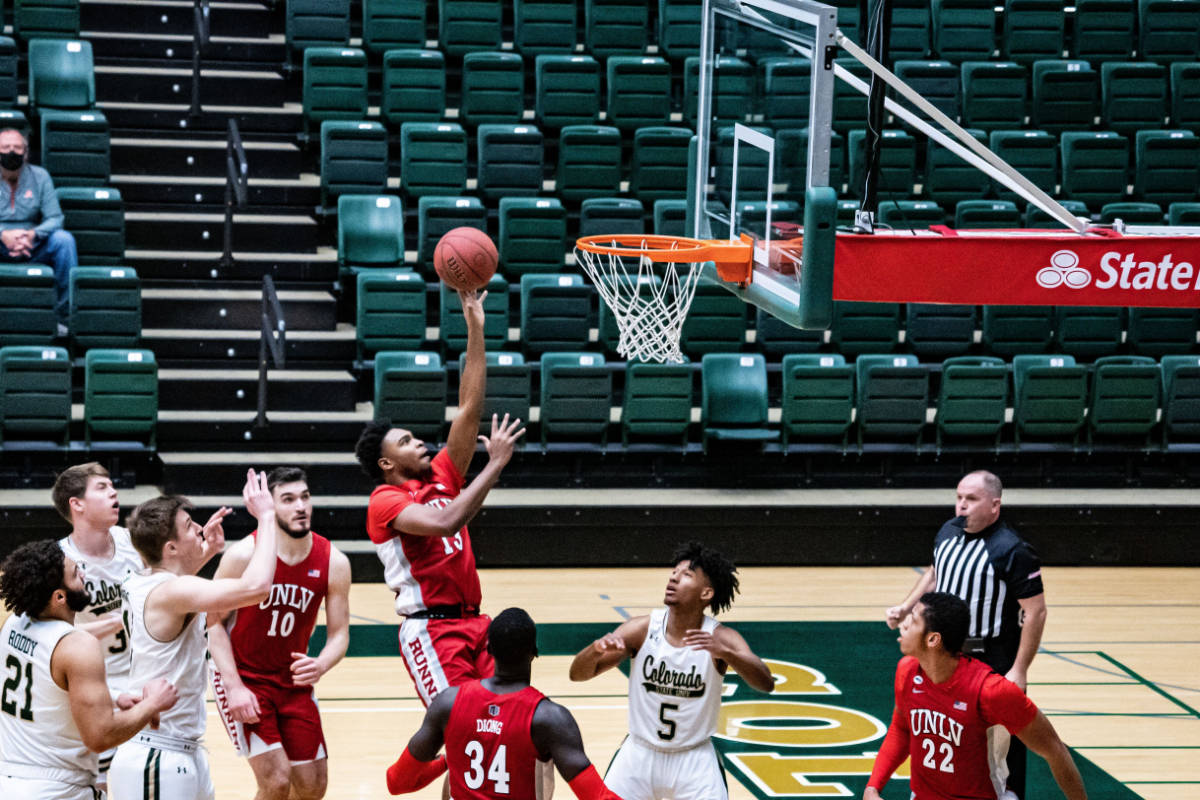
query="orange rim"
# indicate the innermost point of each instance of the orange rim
(669, 248)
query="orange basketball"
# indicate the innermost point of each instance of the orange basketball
(465, 259)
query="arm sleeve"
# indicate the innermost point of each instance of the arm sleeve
(51, 212)
(1001, 702)
(894, 749)
(445, 471)
(587, 785)
(1025, 572)
(382, 509)
(408, 774)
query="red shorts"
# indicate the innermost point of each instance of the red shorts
(440, 653)
(287, 718)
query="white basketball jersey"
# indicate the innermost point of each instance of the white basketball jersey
(182, 661)
(674, 692)
(36, 726)
(103, 580)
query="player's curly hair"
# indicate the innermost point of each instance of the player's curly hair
(369, 448)
(512, 637)
(721, 573)
(31, 573)
(948, 615)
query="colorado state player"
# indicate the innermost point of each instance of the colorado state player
(679, 660)
(417, 519)
(945, 703)
(263, 677)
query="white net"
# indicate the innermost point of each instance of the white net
(649, 300)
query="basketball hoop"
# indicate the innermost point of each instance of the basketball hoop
(649, 281)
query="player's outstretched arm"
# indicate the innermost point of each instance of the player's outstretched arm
(420, 763)
(243, 705)
(891, 755)
(307, 671)
(77, 665)
(896, 614)
(610, 649)
(1040, 737)
(727, 645)
(472, 385)
(555, 734)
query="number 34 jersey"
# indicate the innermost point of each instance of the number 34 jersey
(489, 749)
(674, 692)
(264, 636)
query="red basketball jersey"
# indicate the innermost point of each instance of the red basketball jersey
(423, 571)
(947, 725)
(265, 635)
(489, 750)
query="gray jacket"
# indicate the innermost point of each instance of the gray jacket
(34, 204)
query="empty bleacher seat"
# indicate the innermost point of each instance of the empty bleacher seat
(616, 27)
(911, 213)
(1009, 330)
(465, 26)
(392, 24)
(1131, 213)
(1066, 95)
(1034, 154)
(980, 214)
(1183, 214)
(508, 387)
(414, 87)
(1124, 398)
(11, 118)
(896, 171)
(972, 399)
(544, 26)
(949, 179)
(910, 29)
(787, 83)
(335, 85)
(1094, 166)
(864, 327)
(370, 231)
(1037, 218)
(937, 331)
(493, 88)
(1167, 166)
(556, 312)
(892, 394)
(120, 397)
(410, 392)
(1180, 399)
(639, 91)
(1049, 398)
(61, 74)
(670, 217)
(453, 328)
(1162, 331)
(679, 28)
(995, 94)
(791, 162)
(45, 19)
(27, 298)
(939, 82)
(731, 95)
(1088, 332)
(354, 159)
(774, 337)
(589, 162)
(1185, 96)
(437, 215)
(849, 18)
(716, 321)
(567, 90)
(818, 397)
(35, 395)
(576, 397)
(600, 215)
(316, 23)
(1134, 96)
(659, 167)
(657, 402)
(75, 147)
(96, 218)
(106, 307)
(1033, 30)
(733, 398)
(964, 29)
(533, 235)
(433, 158)
(1102, 30)
(510, 160)
(8, 72)
(753, 165)
(1168, 30)
(849, 105)
(391, 313)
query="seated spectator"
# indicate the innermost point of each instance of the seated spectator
(31, 220)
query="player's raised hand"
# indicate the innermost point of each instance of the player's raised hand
(257, 496)
(698, 639)
(214, 529)
(503, 439)
(472, 305)
(609, 643)
(243, 704)
(894, 616)
(305, 670)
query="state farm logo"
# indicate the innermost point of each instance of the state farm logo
(1064, 270)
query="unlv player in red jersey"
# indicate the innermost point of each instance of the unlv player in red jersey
(945, 703)
(263, 676)
(417, 519)
(498, 731)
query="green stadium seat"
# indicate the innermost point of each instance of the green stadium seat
(787, 83)
(335, 85)
(939, 82)
(354, 159)
(45, 19)
(510, 161)
(733, 398)
(616, 27)
(544, 26)
(752, 166)
(1124, 398)
(392, 24)
(972, 399)
(27, 298)
(1095, 166)
(846, 210)
(1012, 330)
(949, 179)
(465, 26)
(897, 171)
(316, 23)
(1180, 398)
(1033, 30)
(1089, 332)
(106, 307)
(1131, 213)
(1168, 30)
(413, 88)
(533, 235)
(391, 313)
(96, 218)
(818, 398)
(910, 29)
(576, 397)
(964, 30)
(433, 158)
(774, 337)
(791, 162)
(1167, 166)
(982, 214)
(849, 18)
(1185, 96)
(75, 147)
(601, 215)
(370, 231)
(849, 105)
(1049, 398)
(1034, 154)
(61, 74)
(493, 88)
(410, 392)
(864, 327)
(936, 331)
(1183, 214)
(556, 312)
(1161, 332)
(995, 95)
(732, 94)
(657, 402)
(659, 168)
(508, 388)
(910, 213)
(1036, 218)
(11, 118)
(453, 328)
(639, 91)
(567, 90)
(1102, 30)
(1134, 96)
(679, 28)
(120, 397)
(716, 321)
(1066, 95)
(589, 162)
(437, 215)
(892, 395)
(670, 217)
(35, 395)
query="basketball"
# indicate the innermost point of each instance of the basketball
(465, 259)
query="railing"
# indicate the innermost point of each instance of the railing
(237, 183)
(200, 30)
(271, 345)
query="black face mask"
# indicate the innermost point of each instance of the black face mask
(12, 161)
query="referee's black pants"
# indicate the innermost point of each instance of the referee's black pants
(1001, 660)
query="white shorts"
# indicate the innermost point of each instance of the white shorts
(143, 772)
(638, 772)
(39, 789)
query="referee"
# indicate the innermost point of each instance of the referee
(980, 558)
